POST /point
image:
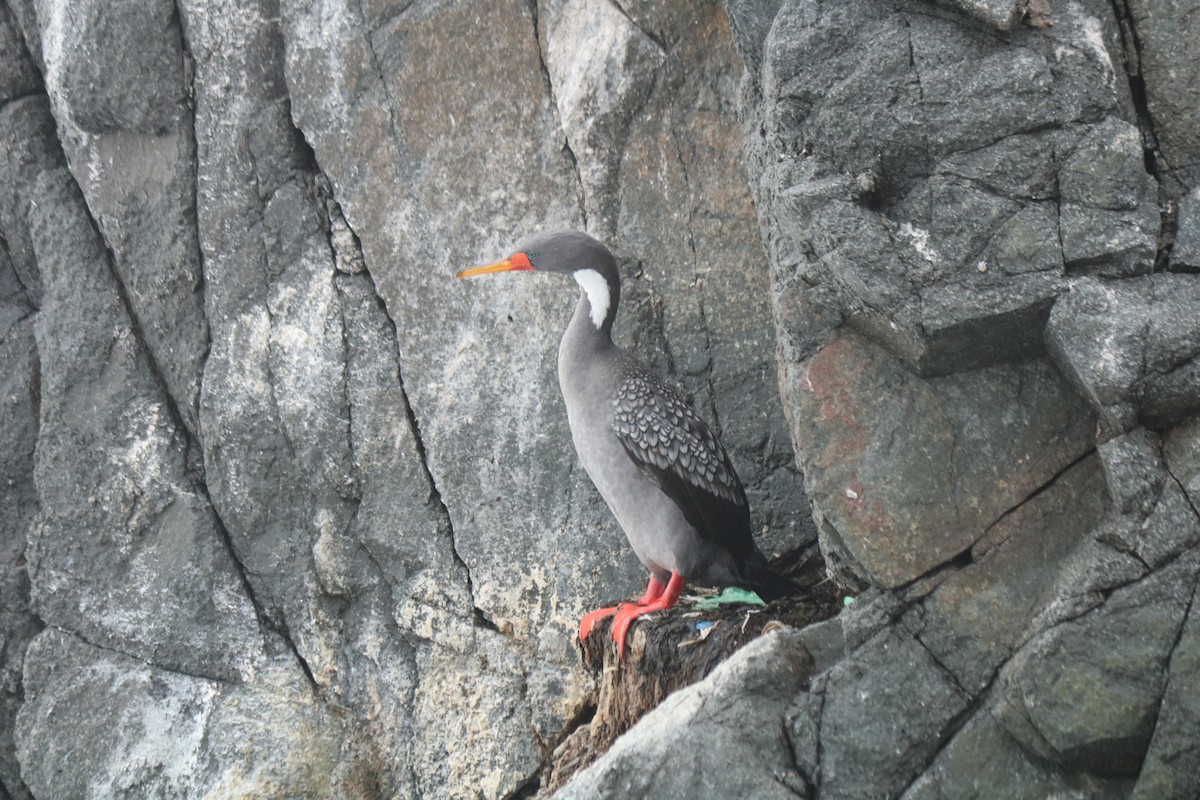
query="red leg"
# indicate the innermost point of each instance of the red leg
(653, 591)
(627, 614)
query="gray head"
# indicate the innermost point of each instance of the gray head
(571, 253)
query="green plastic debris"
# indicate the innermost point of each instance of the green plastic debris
(847, 601)
(730, 596)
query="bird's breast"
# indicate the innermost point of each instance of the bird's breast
(657, 529)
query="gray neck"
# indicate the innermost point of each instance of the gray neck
(583, 356)
(588, 372)
(582, 334)
(584, 350)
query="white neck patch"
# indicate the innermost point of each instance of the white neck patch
(597, 293)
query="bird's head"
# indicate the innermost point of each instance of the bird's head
(571, 253)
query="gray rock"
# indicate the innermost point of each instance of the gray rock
(1095, 708)
(1172, 765)
(30, 148)
(1001, 14)
(118, 65)
(944, 241)
(1159, 521)
(18, 505)
(934, 197)
(825, 642)
(870, 724)
(750, 21)
(1186, 252)
(25, 133)
(1091, 340)
(1133, 471)
(1160, 28)
(15, 307)
(1108, 215)
(513, 331)
(25, 16)
(125, 552)
(319, 476)
(598, 91)
(983, 759)
(1181, 451)
(18, 75)
(472, 685)
(1171, 529)
(906, 474)
(117, 78)
(306, 436)
(722, 737)
(1106, 170)
(869, 614)
(140, 731)
(304, 521)
(1131, 347)
(412, 191)
(976, 618)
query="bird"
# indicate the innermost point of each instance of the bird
(657, 464)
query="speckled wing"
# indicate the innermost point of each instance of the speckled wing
(679, 452)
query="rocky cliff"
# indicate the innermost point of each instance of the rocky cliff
(287, 512)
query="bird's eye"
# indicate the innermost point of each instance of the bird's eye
(532, 255)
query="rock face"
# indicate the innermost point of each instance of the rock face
(988, 357)
(290, 508)
(700, 731)
(288, 512)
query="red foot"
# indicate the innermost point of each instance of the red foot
(589, 620)
(627, 614)
(586, 625)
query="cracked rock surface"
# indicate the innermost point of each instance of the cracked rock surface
(287, 512)
(981, 225)
(988, 360)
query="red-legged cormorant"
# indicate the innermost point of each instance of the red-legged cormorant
(659, 467)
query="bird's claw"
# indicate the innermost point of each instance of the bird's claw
(625, 617)
(589, 621)
(657, 598)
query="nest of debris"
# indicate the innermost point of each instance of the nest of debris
(669, 650)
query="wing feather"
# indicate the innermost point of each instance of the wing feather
(674, 447)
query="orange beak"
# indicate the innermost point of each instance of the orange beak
(517, 263)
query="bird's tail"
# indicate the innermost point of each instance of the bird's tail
(768, 583)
